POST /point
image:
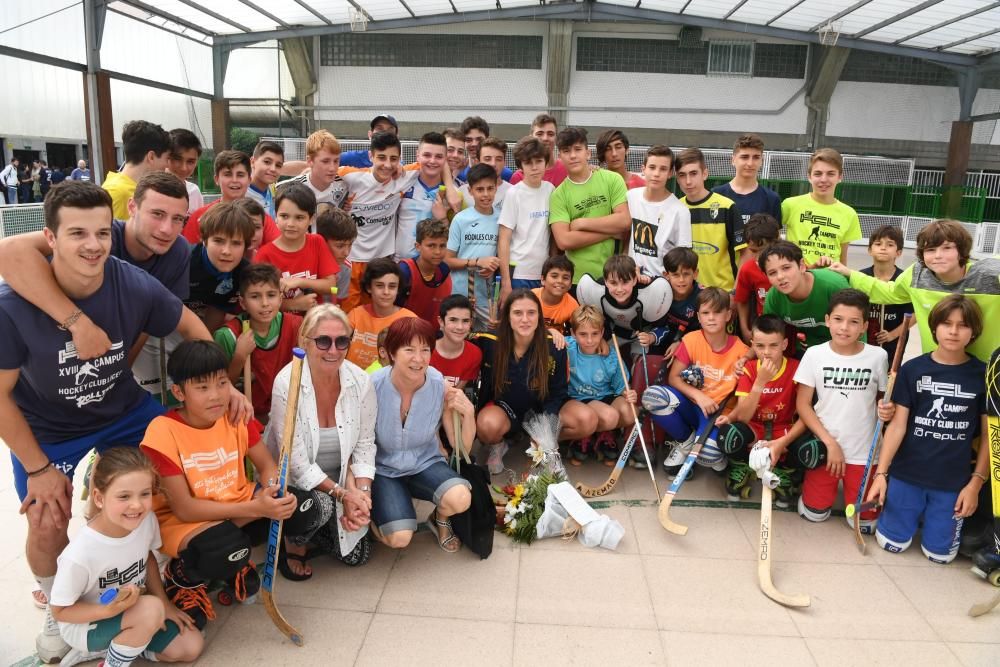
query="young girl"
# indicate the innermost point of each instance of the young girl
(597, 391)
(522, 372)
(107, 596)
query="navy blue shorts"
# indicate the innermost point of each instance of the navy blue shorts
(905, 504)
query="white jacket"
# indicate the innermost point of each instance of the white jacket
(355, 413)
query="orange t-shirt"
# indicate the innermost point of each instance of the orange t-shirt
(719, 368)
(558, 315)
(211, 461)
(364, 346)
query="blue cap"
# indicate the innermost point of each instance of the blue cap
(385, 117)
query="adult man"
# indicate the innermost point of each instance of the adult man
(8, 177)
(380, 123)
(54, 407)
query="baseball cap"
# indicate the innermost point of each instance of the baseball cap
(386, 117)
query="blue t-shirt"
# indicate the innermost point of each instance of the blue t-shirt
(463, 176)
(61, 397)
(170, 268)
(473, 235)
(406, 449)
(761, 200)
(945, 404)
(592, 376)
(892, 318)
(682, 318)
(359, 159)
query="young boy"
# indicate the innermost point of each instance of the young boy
(524, 239)
(765, 411)
(716, 222)
(558, 304)
(818, 222)
(492, 152)
(749, 195)
(940, 406)
(418, 199)
(612, 151)
(544, 128)
(209, 513)
(323, 163)
(216, 263)
(472, 245)
(885, 323)
(265, 167)
(232, 175)
(146, 147)
(383, 359)
(635, 312)
(308, 270)
(844, 377)
(426, 280)
(943, 267)
(381, 283)
(598, 395)
(453, 355)
(751, 284)
(682, 409)
(337, 228)
(269, 339)
(476, 131)
(798, 295)
(660, 222)
(185, 149)
(680, 266)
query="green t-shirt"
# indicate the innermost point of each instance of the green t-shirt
(819, 229)
(226, 339)
(808, 316)
(595, 198)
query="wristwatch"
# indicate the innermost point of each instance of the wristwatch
(365, 488)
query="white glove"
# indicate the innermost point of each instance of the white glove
(760, 460)
(769, 479)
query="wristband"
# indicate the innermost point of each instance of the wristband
(981, 476)
(883, 474)
(71, 320)
(36, 473)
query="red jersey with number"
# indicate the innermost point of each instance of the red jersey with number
(463, 368)
(777, 401)
(423, 296)
(751, 286)
(313, 260)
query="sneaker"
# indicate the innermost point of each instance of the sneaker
(49, 644)
(75, 656)
(495, 460)
(578, 451)
(738, 481)
(190, 598)
(606, 447)
(678, 454)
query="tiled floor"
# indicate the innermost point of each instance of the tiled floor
(660, 599)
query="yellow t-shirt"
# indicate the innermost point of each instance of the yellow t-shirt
(819, 229)
(121, 188)
(364, 345)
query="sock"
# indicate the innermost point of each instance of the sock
(120, 655)
(45, 583)
(149, 655)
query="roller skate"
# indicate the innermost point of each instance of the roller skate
(738, 481)
(986, 564)
(243, 588)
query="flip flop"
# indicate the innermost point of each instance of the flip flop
(287, 571)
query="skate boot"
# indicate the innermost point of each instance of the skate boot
(738, 481)
(578, 451)
(977, 533)
(49, 644)
(986, 564)
(190, 597)
(675, 460)
(243, 588)
(788, 487)
(605, 448)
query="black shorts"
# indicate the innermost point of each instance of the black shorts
(607, 400)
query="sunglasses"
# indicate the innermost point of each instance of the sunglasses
(324, 343)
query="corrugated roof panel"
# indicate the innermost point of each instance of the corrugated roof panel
(192, 15)
(761, 11)
(873, 13)
(715, 9)
(811, 13)
(932, 16)
(382, 10)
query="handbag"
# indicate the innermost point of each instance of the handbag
(476, 525)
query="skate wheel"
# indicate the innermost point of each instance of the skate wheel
(224, 598)
(745, 492)
(994, 577)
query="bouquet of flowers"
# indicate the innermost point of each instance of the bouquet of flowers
(543, 429)
(524, 505)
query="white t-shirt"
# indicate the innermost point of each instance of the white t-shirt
(415, 206)
(846, 389)
(195, 200)
(334, 194)
(375, 207)
(526, 213)
(502, 190)
(657, 228)
(93, 563)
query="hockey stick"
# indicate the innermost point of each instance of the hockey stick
(274, 532)
(992, 440)
(604, 489)
(879, 431)
(247, 392)
(766, 554)
(635, 416)
(668, 497)
(163, 373)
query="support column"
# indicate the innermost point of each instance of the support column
(220, 105)
(558, 61)
(97, 95)
(959, 145)
(299, 56)
(825, 76)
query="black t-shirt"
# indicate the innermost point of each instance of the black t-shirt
(892, 318)
(211, 287)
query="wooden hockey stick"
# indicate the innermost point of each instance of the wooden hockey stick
(879, 432)
(247, 377)
(984, 607)
(766, 553)
(668, 497)
(635, 415)
(274, 533)
(604, 489)
(164, 399)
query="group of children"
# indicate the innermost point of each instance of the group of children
(544, 293)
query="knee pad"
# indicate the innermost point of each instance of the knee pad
(811, 514)
(942, 559)
(659, 400)
(313, 510)
(735, 438)
(808, 452)
(890, 545)
(216, 553)
(710, 454)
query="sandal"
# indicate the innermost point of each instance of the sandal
(39, 598)
(434, 523)
(287, 571)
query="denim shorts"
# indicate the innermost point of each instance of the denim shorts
(392, 497)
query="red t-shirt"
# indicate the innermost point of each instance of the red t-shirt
(421, 296)
(777, 401)
(265, 364)
(463, 368)
(314, 260)
(192, 231)
(555, 174)
(751, 282)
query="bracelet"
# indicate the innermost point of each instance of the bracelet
(883, 474)
(333, 493)
(36, 473)
(365, 488)
(981, 476)
(71, 320)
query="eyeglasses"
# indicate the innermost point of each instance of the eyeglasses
(325, 342)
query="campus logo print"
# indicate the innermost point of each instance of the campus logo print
(88, 384)
(114, 577)
(940, 421)
(948, 389)
(87, 370)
